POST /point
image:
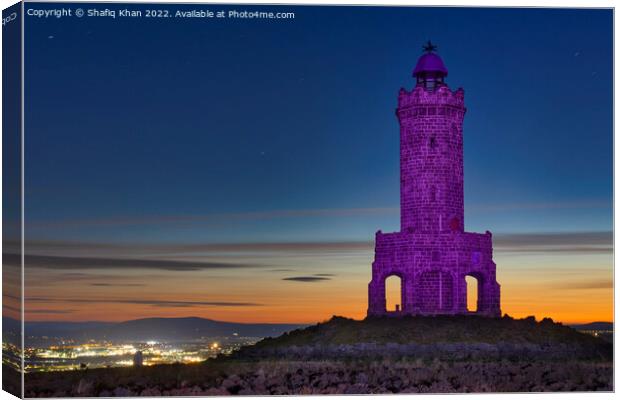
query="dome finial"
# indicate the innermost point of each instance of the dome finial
(430, 70)
(429, 47)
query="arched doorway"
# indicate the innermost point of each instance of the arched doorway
(473, 287)
(394, 298)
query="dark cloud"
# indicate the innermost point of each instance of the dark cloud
(11, 308)
(556, 205)
(117, 284)
(324, 274)
(44, 311)
(11, 260)
(306, 279)
(289, 246)
(562, 242)
(82, 249)
(166, 303)
(11, 296)
(85, 263)
(222, 218)
(75, 276)
(44, 278)
(154, 303)
(598, 284)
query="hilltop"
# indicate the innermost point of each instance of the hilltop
(452, 337)
(432, 329)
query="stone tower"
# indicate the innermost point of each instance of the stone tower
(432, 254)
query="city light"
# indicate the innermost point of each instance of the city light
(65, 355)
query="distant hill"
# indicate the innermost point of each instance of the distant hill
(168, 329)
(190, 328)
(10, 324)
(595, 326)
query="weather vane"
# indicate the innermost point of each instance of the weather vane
(429, 47)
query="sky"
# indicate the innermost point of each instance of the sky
(238, 169)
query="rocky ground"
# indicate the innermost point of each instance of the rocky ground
(328, 377)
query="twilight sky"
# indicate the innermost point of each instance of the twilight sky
(238, 169)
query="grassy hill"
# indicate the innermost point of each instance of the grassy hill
(419, 335)
(425, 330)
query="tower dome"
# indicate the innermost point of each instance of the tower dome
(430, 62)
(430, 70)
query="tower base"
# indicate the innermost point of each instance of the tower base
(432, 268)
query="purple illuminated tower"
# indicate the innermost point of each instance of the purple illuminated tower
(432, 254)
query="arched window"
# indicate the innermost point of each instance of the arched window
(393, 293)
(472, 293)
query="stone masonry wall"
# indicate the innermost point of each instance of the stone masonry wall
(431, 160)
